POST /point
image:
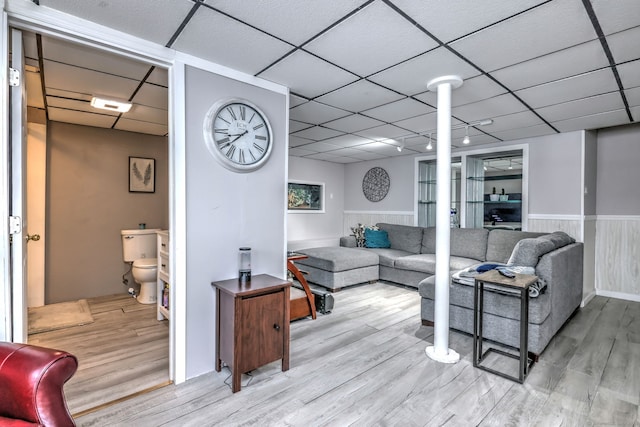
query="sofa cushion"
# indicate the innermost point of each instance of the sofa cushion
(527, 252)
(389, 256)
(500, 243)
(426, 263)
(558, 238)
(465, 242)
(403, 237)
(335, 258)
(376, 238)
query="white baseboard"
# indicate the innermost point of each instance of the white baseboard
(618, 295)
(587, 299)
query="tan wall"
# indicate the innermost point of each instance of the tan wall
(88, 203)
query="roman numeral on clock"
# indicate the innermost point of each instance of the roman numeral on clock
(263, 138)
(243, 112)
(256, 127)
(231, 151)
(221, 130)
(241, 156)
(223, 141)
(233, 114)
(257, 147)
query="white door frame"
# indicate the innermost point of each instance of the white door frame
(30, 17)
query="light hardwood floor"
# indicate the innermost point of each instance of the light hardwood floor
(364, 364)
(125, 350)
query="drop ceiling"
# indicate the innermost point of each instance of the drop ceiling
(358, 70)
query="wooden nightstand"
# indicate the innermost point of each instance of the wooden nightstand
(253, 324)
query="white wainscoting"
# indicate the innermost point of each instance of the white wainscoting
(570, 224)
(617, 253)
(353, 218)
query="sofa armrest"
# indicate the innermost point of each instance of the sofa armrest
(348, 241)
(32, 381)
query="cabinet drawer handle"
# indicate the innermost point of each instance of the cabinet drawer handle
(164, 265)
(276, 327)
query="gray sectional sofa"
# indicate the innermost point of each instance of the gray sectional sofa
(410, 261)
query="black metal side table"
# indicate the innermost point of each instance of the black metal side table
(521, 283)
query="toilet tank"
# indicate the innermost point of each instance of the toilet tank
(137, 244)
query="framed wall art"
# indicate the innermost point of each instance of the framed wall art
(142, 175)
(305, 197)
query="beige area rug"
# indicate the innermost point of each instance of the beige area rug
(59, 316)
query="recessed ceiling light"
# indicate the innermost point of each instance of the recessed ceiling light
(110, 104)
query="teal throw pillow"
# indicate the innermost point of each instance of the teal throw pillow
(376, 239)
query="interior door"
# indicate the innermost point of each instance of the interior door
(17, 199)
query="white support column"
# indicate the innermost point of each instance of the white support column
(440, 350)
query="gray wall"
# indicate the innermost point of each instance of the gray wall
(227, 210)
(555, 170)
(315, 226)
(590, 172)
(618, 170)
(88, 203)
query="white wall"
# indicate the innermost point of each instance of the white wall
(310, 229)
(227, 210)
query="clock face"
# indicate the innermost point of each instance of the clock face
(238, 135)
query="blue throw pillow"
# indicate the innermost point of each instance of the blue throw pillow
(376, 239)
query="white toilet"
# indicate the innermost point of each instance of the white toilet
(140, 248)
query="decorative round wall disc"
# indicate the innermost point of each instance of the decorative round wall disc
(375, 184)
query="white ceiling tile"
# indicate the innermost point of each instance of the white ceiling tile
(383, 132)
(569, 89)
(307, 75)
(300, 152)
(368, 155)
(624, 45)
(422, 123)
(88, 57)
(359, 96)
(316, 113)
(616, 16)
(156, 20)
(449, 20)
(34, 91)
(630, 74)
(557, 65)
(550, 27)
(596, 121)
(321, 147)
(68, 94)
(347, 141)
(159, 76)
(144, 113)
(352, 152)
(361, 44)
(582, 107)
(296, 141)
(317, 133)
(213, 36)
(345, 160)
(291, 20)
(512, 121)
(399, 110)
(472, 90)
(153, 96)
(353, 123)
(488, 108)
(141, 127)
(77, 105)
(295, 100)
(323, 156)
(295, 126)
(74, 79)
(635, 113)
(29, 45)
(80, 117)
(520, 133)
(633, 96)
(412, 76)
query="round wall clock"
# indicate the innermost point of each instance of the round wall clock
(375, 184)
(238, 134)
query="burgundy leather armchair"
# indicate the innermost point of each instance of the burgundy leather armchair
(31, 385)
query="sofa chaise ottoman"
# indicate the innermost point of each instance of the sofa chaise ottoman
(338, 267)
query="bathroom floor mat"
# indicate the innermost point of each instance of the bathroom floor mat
(59, 316)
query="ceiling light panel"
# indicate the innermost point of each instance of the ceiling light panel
(307, 75)
(290, 20)
(571, 88)
(236, 45)
(362, 45)
(460, 17)
(557, 65)
(155, 21)
(552, 26)
(77, 105)
(358, 96)
(411, 77)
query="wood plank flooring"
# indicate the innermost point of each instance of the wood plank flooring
(364, 364)
(125, 350)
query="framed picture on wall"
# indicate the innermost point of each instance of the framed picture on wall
(142, 175)
(305, 197)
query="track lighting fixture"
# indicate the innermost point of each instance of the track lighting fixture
(466, 139)
(510, 165)
(429, 146)
(400, 146)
